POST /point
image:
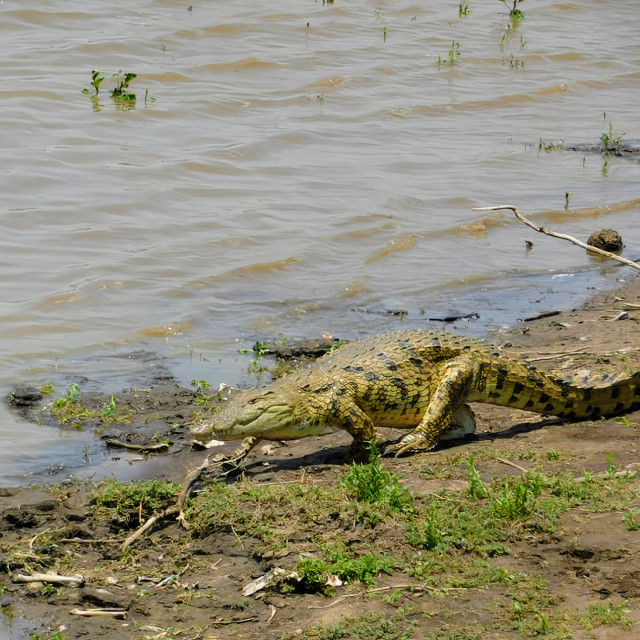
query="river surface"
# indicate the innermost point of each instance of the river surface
(293, 169)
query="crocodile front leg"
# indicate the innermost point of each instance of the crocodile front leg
(449, 396)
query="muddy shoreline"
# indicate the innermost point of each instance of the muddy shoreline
(189, 584)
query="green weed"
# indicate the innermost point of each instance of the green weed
(121, 93)
(548, 147)
(611, 140)
(453, 54)
(130, 504)
(477, 488)
(631, 519)
(463, 10)
(603, 613)
(516, 498)
(110, 409)
(47, 388)
(369, 626)
(372, 483)
(554, 454)
(611, 469)
(514, 13)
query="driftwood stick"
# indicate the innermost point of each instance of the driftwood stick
(562, 236)
(512, 464)
(110, 613)
(112, 442)
(52, 578)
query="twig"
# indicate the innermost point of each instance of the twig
(629, 305)
(553, 356)
(618, 474)
(562, 236)
(112, 613)
(163, 446)
(273, 613)
(512, 464)
(32, 541)
(53, 578)
(90, 540)
(241, 620)
(415, 587)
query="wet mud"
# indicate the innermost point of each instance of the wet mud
(177, 582)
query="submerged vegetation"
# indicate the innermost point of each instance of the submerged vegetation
(452, 56)
(121, 93)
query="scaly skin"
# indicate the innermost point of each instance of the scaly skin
(417, 380)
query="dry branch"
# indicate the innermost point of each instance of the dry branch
(562, 236)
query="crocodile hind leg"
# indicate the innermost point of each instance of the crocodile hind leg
(447, 400)
(463, 423)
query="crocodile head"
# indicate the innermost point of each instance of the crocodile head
(264, 413)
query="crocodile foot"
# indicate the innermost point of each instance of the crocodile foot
(410, 442)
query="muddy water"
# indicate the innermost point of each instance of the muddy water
(293, 169)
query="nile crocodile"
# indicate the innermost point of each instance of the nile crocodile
(417, 380)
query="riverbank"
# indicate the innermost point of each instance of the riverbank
(528, 547)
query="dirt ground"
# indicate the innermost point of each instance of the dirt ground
(173, 583)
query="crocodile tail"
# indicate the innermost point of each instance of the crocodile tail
(525, 388)
(610, 400)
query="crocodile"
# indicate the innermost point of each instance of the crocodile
(418, 380)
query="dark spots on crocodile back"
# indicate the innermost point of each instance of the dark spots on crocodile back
(595, 412)
(518, 388)
(371, 377)
(387, 361)
(501, 376)
(586, 394)
(615, 392)
(435, 343)
(619, 407)
(535, 378)
(530, 403)
(398, 382)
(324, 388)
(549, 407)
(415, 361)
(350, 369)
(634, 406)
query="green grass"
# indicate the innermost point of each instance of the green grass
(371, 483)
(130, 504)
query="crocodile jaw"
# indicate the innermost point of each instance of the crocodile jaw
(263, 414)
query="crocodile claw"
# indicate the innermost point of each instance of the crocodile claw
(411, 442)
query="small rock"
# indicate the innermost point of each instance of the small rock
(24, 396)
(19, 518)
(606, 239)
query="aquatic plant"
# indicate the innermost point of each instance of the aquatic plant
(514, 12)
(611, 140)
(454, 52)
(120, 93)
